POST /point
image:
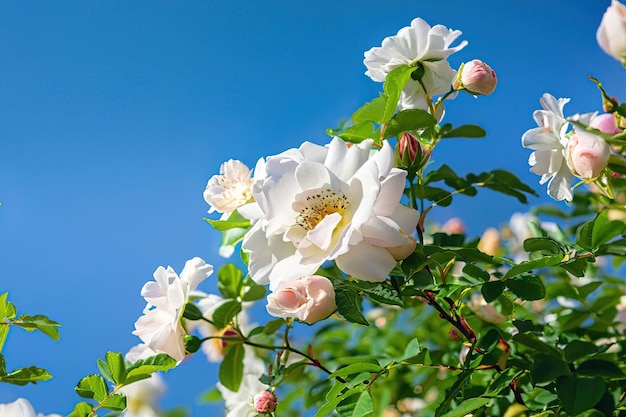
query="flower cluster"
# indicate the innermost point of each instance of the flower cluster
(561, 153)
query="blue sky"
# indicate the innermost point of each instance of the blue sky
(115, 114)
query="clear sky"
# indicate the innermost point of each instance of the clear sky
(114, 114)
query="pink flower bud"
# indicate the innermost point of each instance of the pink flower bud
(454, 226)
(611, 34)
(410, 152)
(265, 402)
(478, 78)
(606, 123)
(587, 155)
(490, 241)
(310, 299)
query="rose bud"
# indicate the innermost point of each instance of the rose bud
(309, 299)
(265, 402)
(477, 78)
(411, 153)
(587, 155)
(611, 34)
(606, 123)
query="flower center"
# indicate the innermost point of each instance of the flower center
(320, 205)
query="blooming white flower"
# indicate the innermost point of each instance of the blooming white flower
(611, 34)
(160, 327)
(320, 203)
(549, 143)
(229, 190)
(241, 403)
(413, 45)
(21, 408)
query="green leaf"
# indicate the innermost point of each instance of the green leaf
(476, 272)
(81, 409)
(409, 120)
(545, 368)
(4, 331)
(599, 367)
(383, 292)
(364, 406)
(544, 244)
(93, 386)
(604, 229)
(530, 340)
(116, 402)
(231, 368)
(372, 111)
(116, 366)
(528, 266)
(224, 225)
(466, 131)
(577, 349)
(224, 314)
(579, 394)
(272, 326)
(192, 312)
(41, 323)
(584, 235)
(452, 392)
(358, 132)
(143, 368)
(229, 280)
(3, 305)
(356, 368)
(411, 350)
(527, 287)
(467, 407)
(23, 376)
(349, 305)
(491, 290)
(394, 84)
(254, 292)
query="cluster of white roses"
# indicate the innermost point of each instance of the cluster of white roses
(562, 153)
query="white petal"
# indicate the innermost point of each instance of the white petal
(366, 262)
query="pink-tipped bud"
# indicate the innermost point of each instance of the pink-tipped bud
(265, 402)
(587, 155)
(411, 153)
(606, 123)
(477, 78)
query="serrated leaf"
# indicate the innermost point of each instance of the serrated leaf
(23, 376)
(143, 368)
(81, 409)
(116, 366)
(466, 131)
(349, 305)
(224, 314)
(231, 368)
(41, 323)
(358, 132)
(93, 386)
(579, 394)
(394, 84)
(409, 120)
(116, 402)
(372, 111)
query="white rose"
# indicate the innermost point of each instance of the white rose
(611, 34)
(310, 299)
